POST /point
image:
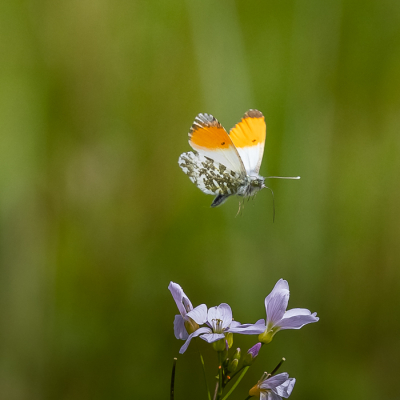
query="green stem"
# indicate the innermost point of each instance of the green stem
(220, 375)
(248, 397)
(230, 380)
(205, 376)
(236, 383)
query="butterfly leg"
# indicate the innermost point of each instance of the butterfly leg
(240, 207)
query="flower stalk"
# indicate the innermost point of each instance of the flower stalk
(172, 391)
(205, 376)
(278, 366)
(236, 383)
(220, 375)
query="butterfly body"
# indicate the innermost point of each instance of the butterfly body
(225, 164)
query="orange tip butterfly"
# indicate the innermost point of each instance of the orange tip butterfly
(227, 164)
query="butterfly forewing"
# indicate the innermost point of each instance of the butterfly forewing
(210, 139)
(248, 136)
(210, 176)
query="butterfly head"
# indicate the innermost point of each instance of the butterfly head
(256, 183)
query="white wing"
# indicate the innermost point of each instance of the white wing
(248, 136)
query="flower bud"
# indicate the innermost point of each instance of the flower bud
(252, 353)
(236, 354)
(235, 361)
(225, 363)
(233, 365)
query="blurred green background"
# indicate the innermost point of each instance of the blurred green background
(96, 99)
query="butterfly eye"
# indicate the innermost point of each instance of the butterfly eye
(255, 183)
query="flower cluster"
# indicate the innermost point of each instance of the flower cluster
(216, 325)
(273, 387)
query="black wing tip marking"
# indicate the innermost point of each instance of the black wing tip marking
(253, 114)
(204, 120)
(219, 199)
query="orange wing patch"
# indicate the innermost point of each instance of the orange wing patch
(208, 133)
(250, 131)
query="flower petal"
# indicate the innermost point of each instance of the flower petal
(226, 315)
(299, 320)
(264, 396)
(273, 396)
(249, 329)
(273, 381)
(212, 315)
(198, 314)
(182, 301)
(276, 302)
(286, 388)
(212, 337)
(296, 311)
(179, 328)
(223, 312)
(235, 323)
(191, 336)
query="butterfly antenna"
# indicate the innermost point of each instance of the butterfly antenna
(282, 177)
(273, 196)
(273, 203)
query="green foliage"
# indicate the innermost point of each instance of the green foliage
(96, 101)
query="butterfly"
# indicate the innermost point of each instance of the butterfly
(226, 164)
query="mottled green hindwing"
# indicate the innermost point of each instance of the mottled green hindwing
(209, 176)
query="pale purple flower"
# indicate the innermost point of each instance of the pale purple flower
(190, 318)
(277, 316)
(219, 322)
(273, 387)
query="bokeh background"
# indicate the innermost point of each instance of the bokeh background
(96, 99)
